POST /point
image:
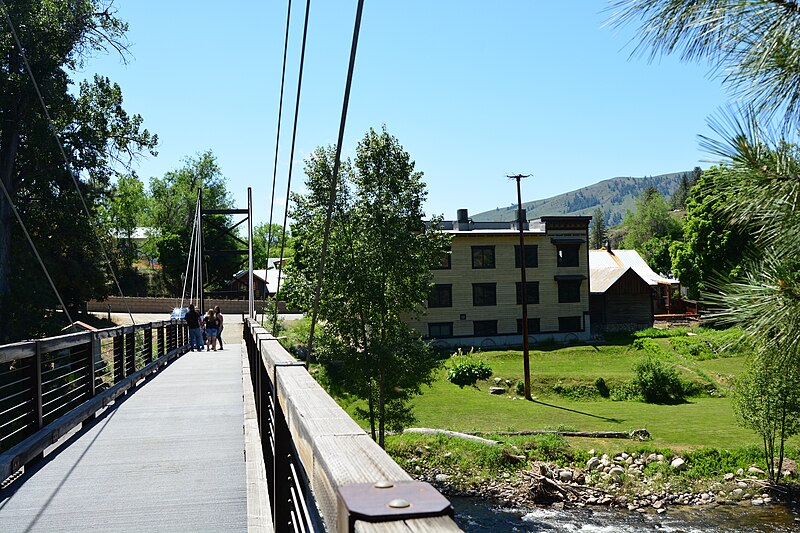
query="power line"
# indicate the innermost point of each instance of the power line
(64, 154)
(291, 158)
(334, 177)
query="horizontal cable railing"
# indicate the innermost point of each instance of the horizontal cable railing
(49, 386)
(324, 473)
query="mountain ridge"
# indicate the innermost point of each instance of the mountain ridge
(614, 196)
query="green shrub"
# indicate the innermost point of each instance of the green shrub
(657, 382)
(467, 369)
(520, 388)
(693, 347)
(627, 391)
(602, 388)
(649, 346)
(575, 391)
(653, 333)
(712, 462)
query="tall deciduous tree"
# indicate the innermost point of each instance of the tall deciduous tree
(262, 233)
(173, 202)
(713, 249)
(650, 230)
(377, 271)
(98, 135)
(767, 400)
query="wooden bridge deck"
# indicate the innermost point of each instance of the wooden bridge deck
(168, 457)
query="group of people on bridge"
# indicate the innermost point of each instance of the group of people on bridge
(205, 331)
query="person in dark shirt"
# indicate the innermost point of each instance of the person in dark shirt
(221, 322)
(195, 331)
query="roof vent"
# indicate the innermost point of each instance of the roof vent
(462, 215)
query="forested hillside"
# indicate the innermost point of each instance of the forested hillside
(614, 196)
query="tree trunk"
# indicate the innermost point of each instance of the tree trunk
(382, 411)
(9, 141)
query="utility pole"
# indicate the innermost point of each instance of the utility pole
(521, 220)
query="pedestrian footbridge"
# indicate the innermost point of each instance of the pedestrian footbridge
(123, 430)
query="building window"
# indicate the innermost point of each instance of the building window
(534, 325)
(484, 294)
(441, 296)
(445, 264)
(569, 323)
(483, 257)
(531, 256)
(484, 328)
(569, 291)
(440, 330)
(532, 289)
(568, 255)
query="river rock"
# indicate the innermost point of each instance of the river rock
(497, 390)
(742, 484)
(565, 475)
(755, 470)
(679, 464)
(729, 476)
(592, 463)
(757, 501)
(497, 381)
(441, 478)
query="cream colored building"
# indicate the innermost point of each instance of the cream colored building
(476, 297)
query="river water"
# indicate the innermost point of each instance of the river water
(474, 515)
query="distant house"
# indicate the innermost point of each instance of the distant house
(625, 293)
(265, 282)
(476, 299)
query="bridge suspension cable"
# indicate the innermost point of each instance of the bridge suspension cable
(63, 153)
(334, 178)
(192, 259)
(277, 140)
(291, 159)
(36, 253)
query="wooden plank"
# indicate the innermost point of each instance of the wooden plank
(18, 350)
(418, 525)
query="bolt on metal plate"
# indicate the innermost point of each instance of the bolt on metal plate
(386, 501)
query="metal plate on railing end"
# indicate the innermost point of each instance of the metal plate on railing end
(385, 501)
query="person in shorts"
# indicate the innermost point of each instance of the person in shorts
(211, 325)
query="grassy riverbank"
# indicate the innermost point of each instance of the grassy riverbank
(563, 382)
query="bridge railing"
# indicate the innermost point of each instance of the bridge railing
(49, 386)
(324, 472)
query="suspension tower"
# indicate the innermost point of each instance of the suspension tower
(221, 223)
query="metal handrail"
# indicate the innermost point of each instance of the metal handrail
(83, 372)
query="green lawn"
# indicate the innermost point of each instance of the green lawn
(702, 421)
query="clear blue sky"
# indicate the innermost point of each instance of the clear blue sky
(474, 91)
